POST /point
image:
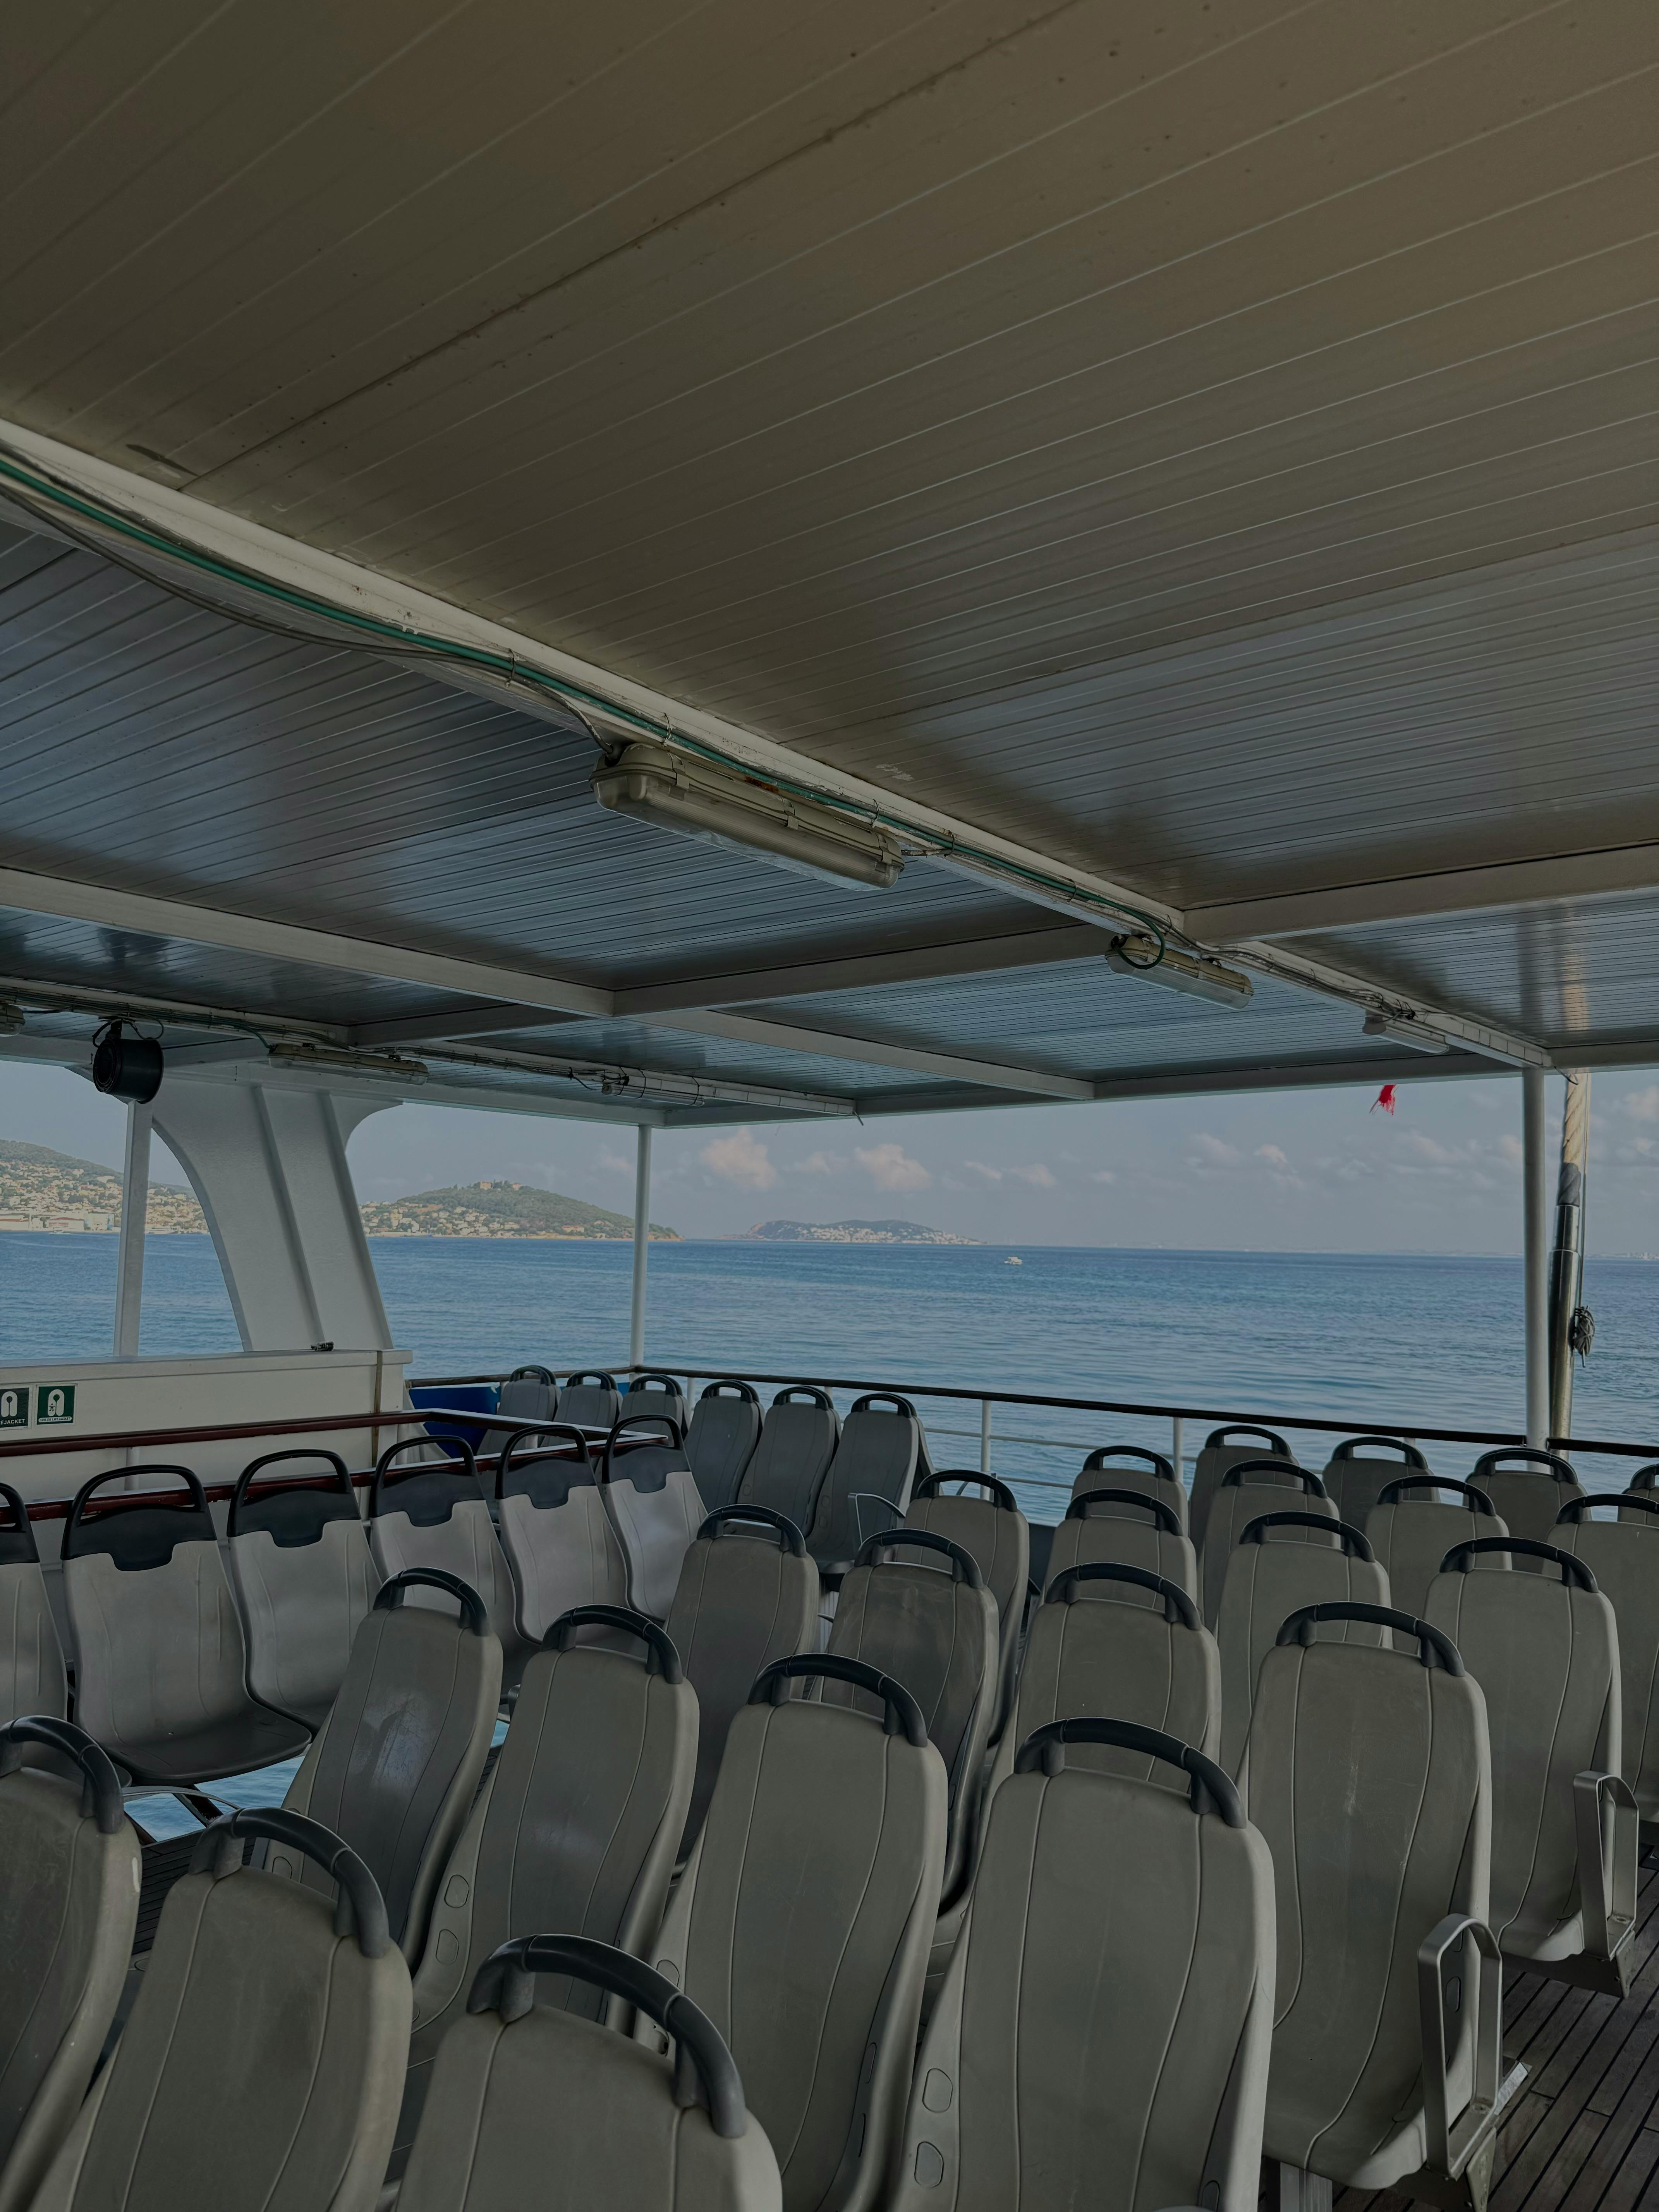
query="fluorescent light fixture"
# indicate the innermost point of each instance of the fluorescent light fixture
(1199, 977)
(726, 806)
(327, 1062)
(1406, 1028)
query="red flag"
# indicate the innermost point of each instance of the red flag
(1384, 1098)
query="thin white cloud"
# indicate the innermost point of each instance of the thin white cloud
(982, 1169)
(616, 1163)
(1641, 1105)
(1208, 1151)
(1272, 1155)
(890, 1167)
(740, 1158)
(1104, 1175)
(818, 1162)
(1039, 1176)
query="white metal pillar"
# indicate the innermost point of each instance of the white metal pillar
(130, 1256)
(641, 1243)
(1535, 1178)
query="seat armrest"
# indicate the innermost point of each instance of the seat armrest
(858, 1498)
(1608, 1826)
(1452, 2138)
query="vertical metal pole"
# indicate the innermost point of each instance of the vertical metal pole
(1566, 1263)
(1178, 1446)
(985, 1437)
(130, 1255)
(1535, 1189)
(641, 1243)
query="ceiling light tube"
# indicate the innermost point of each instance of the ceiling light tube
(328, 1062)
(1406, 1028)
(726, 806)
(1199, 977)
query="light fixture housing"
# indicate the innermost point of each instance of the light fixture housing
(727, 807)
(1199, 976)
(125, 1067)
(391, 1067)
(1407, 1029)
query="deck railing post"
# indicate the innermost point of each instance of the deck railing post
(1178, 1446)
(985, 1437)
(641, 1242)
(130, 1255)
(1535, 1181)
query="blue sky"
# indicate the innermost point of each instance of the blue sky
(1296, 1171)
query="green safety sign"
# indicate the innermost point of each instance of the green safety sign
(14, 1405)
(54, 1404)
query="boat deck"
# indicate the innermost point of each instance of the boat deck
(1583, 2133)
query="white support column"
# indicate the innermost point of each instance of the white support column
(130, 1258)
(1178, 1446)
(641, 1243)
(1534, 1180)
(984, 1438)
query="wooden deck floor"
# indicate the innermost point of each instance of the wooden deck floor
(1583, 2136)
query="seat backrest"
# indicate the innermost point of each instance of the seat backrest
(576, 1830)
(1130, 1466)
(68, 1900)
(1282, 1563)
(651, 1495)
(993, 1527)
(1225, 1448)
(591, 1400)
(1413, 1525)
(748, 1593)
(726, 1426)
(1102, 2034)
(32, 1678)
(1361, 1466)
(1370, 1775)
(632, 2126)
(1544, 1648)
(264, 2059)
(932, 1627)
(529, 1394)
(798, 1441)
(433, 1513)
(1623, 1555)
(396, 1765)
(1136, 1529)
(303, 1575)
(658, 1393)
(1149, 1660)
(1528, 1488)
(557, 1536)
(867, 1488)
(1249, 1489)
(803, 1921)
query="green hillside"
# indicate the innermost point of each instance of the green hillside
(499, 1209)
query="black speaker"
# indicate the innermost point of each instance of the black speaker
(126, 1068)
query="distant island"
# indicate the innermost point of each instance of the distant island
(43, 1189)
(502, 1209)
(854, 1232)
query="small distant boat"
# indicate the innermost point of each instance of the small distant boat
(1013, 1262)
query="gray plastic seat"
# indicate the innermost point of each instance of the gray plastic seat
(590, 1400)
(934, 1629)
(264, 2058)
(1249, 1489)
(798, 1441)
(651, 1495)
(996, 1532)
(432, 1512)
(748, 1593)
(529, 1394)
(1129, 1526)
(1528, 1488)
(1101, 2037)
(303, 1575)
(867, 1488)
(1544, 1648)
(726, 1426)
(161, 1660)
(802, 1922)
(1370, 1775)
(1624, 1557)
(560, 1544)
(1130, 1466)
(1411, 1530)
(70, 1870)
(575, 1832)
(517, 2081)
(1361, 1468)
(1282, 1563)
(1225, 1448)
(32, 1678)
(658, 1393)
(399, 1757)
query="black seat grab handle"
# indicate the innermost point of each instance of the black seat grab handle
(359, 1909)
(339, 1477)
(660, 1645)
(1434, 1646)
(729, 1386)
(1000, 1495)
(101, 1785)
(1313, 1484)
(1478, 1500)
(1492, 1462)
(1165, 1517)
(506, 1983)
(789, 1537)
(1100, 1458)
(1350, 1449)
(676, 1436)
(21, 1524)
(529, 1372)
(1576, 1508)
(591, 1379)
(561, 1429)
(1178, 1605)
(194, 1500)
(1572, 1570)
(882, 1398)
(964, 1565)
(459, 1458)
(1220, 1437)
(902, 1716)
(390, 1595)
(794, 1393)
(1351, 1540)
(1212, 1790)
(670, 1384)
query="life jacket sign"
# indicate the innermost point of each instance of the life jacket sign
(15, 1406)
(54, 1404)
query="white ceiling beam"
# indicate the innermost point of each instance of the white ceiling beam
(1483, 1037)
(460, 1021)
(913, 1059)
